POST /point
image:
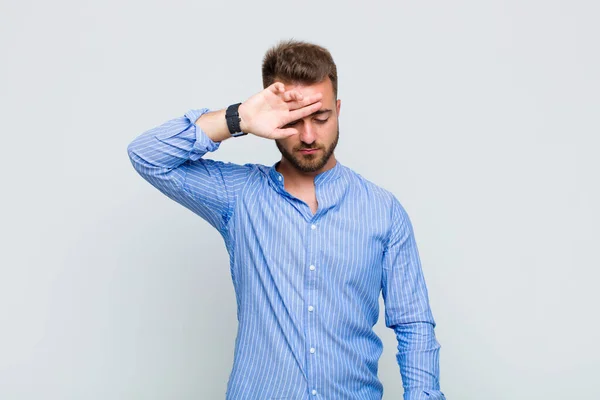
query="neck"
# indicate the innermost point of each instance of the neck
(295, 177)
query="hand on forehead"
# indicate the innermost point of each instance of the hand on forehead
(323, 87)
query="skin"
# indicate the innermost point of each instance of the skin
(296, 116)
(320, 131)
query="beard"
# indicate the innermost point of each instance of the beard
(309, 162)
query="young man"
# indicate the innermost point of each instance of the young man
(312, 243)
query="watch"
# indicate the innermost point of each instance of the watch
(233, 120)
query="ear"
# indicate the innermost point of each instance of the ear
(338, 105)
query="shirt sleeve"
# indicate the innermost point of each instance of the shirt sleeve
(408, 313)
(169, 157)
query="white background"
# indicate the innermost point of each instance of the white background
(482, 117)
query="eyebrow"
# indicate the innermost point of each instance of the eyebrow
(323, 111)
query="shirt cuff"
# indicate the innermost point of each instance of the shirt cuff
(424, 394)
(203, 142)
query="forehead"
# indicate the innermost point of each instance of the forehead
(325, 87)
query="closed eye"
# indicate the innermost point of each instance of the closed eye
(319, 121)
(290, 124)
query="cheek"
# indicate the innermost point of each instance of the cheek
(287, 143)
(329, 131)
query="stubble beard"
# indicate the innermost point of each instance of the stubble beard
(309, 162)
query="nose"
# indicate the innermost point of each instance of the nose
(307, 133)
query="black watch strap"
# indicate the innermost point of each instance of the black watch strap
(233, 120)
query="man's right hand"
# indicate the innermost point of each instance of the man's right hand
(265, 113)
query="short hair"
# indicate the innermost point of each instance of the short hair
(298, 62)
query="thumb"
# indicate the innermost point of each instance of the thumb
(285, 133)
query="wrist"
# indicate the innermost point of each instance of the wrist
(243, 118)
(213, 124)
(232, 116)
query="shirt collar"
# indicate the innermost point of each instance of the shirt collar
(320, 179)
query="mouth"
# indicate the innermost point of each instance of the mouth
(308, 151)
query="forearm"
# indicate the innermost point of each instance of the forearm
(214, 124)
(418, 359)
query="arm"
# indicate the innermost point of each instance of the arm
(169, 157)
(407, 312)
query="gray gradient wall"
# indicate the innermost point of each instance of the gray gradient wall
(480, 116)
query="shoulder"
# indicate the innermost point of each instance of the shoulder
(377, 194)
(390, 206)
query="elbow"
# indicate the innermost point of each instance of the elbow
(132, 148)
(136, 160)
(131, 153)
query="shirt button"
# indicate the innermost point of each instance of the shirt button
(310, 308)
(279, 177)
(313, 227)
(312, 350)
(314, 392)
(312, 267)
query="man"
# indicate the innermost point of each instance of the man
(312, 244)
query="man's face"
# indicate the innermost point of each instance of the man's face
(319, 131)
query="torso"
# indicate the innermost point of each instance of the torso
(309, 197)
(312, 204)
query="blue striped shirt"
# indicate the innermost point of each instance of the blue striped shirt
(307, 285)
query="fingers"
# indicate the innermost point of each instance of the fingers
(277, 87)
(294, 98)
(287, 132)
(304, 111)
(300, 101)
(292, 95)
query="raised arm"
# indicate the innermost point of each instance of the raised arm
(407, 312)
(170, 156)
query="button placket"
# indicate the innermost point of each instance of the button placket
(311, 331)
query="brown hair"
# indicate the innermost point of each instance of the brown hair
(296, 61)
